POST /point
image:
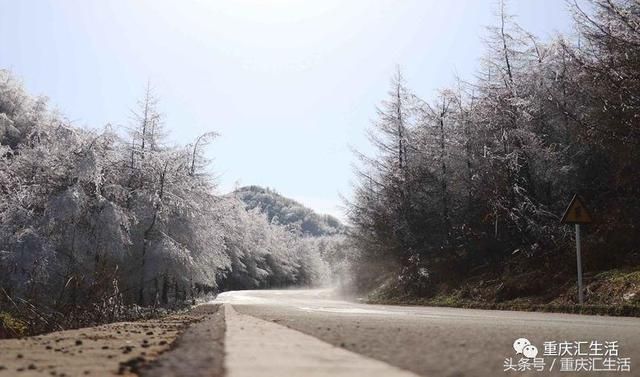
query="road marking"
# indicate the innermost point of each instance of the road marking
(349, 310)
(255, 347)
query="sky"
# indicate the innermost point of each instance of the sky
(291, 85)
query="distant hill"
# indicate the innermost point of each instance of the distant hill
(286, 211)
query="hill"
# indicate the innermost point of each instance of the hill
(285, 211)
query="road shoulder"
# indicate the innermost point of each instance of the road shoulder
(199, 351)
(114, 349)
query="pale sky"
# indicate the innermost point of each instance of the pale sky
(289, 84)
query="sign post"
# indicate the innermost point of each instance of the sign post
(577, 213)
(579, 262)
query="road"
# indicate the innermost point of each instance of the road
(311, 333)
(425, 341)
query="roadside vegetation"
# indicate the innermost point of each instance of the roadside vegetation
(98, 225)
(460, 204)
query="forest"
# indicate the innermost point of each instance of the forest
(104, 224)
(462, 197)
(285, 211)
(471, 184)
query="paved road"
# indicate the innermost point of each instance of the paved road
(310, 333)
(423, 341)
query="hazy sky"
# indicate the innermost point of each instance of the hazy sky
(290, 84)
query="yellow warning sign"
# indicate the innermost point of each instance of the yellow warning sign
(576, 213)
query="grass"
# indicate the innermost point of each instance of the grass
(13, 326)
(620, 276)
(613, 293)
(454, 302)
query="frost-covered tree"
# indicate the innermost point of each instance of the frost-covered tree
(91, 218)
(490, 165)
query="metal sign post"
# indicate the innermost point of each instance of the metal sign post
(579, 261)
(576, 213)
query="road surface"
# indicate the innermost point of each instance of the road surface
(310, 333)
(425, 341)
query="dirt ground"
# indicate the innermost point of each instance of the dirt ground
(114, 349)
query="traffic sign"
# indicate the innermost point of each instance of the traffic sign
(576, 212)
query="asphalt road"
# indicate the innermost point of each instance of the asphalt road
(310, 333)
(426, 341)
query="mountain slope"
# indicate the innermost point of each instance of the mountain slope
(285, 211)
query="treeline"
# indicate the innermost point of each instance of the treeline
(104, 219)
(285, 211)
(476, 179)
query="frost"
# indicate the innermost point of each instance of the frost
(88, 213)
